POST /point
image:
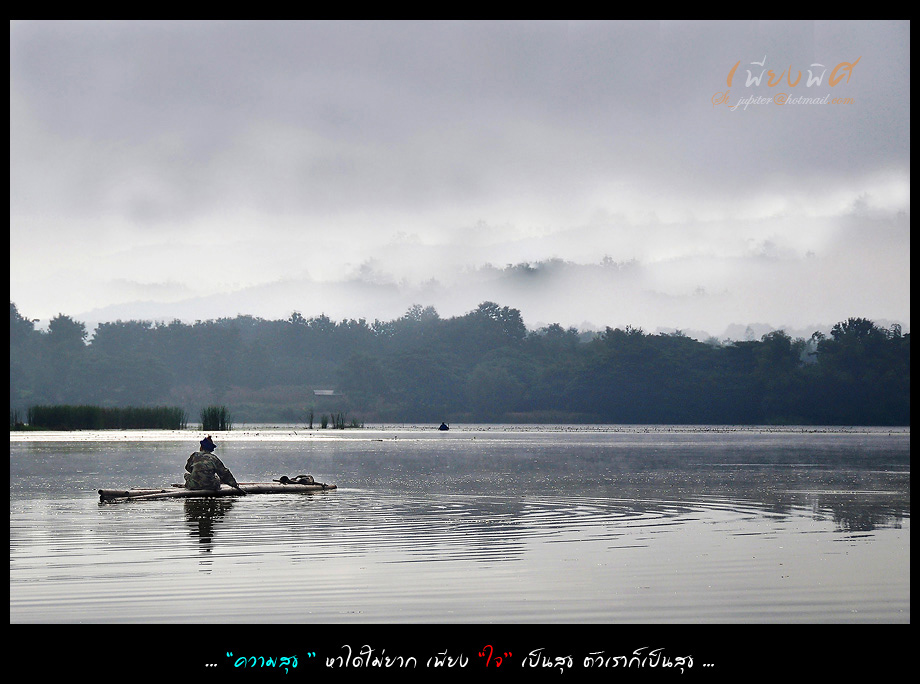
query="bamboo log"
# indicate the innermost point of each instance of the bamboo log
(177, 492)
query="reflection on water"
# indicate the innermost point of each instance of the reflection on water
(202, 514)
(482, 525)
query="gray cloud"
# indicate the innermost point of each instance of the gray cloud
(239, 158)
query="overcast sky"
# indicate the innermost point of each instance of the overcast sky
(164, 170)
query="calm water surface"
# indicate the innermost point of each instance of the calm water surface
(479, 524)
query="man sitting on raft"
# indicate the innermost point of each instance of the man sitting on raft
(205, 470)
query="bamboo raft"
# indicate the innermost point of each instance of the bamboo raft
(179, 492)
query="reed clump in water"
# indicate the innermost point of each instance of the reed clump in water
(215, 418)
(338, 421)
(85, 417)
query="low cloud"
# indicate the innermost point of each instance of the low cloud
(212, 168)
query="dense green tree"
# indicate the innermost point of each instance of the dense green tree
(22, 330)
(64, 333)
(25, 364)
(483, 365)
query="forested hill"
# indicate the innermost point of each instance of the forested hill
(484, 366)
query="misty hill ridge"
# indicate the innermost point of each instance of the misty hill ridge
(588, 296)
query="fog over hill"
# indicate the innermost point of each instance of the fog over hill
(586, 297)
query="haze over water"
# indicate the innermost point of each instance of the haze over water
(483, 524)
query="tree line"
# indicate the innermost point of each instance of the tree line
(483, 366)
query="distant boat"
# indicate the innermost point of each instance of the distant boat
(444, 427)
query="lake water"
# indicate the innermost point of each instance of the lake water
(481, 524)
